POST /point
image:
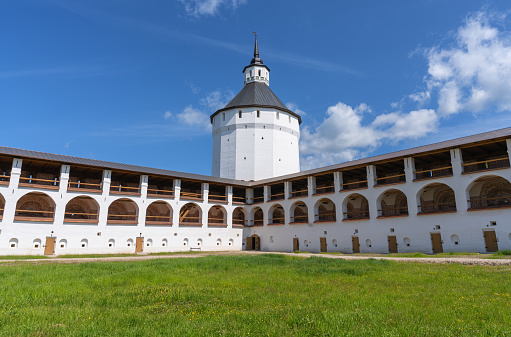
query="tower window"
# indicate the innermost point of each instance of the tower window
(289, 119)
(278, 115)
(259, 72)
(258, 114)
(239, 114)
(223, 116)
(250, 73)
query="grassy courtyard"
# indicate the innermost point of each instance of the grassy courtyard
(264, 295)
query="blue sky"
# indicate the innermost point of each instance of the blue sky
(135, 82)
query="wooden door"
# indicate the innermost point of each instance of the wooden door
(257, 243)
(49, 247)
(296, 244)
(322, 241)
(249, 243)
(392, 243)
(139, 248)
(356, 244)
(436, 241)
(490, 241)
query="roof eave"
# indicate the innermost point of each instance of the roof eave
(256, 106)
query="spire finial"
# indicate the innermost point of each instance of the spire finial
(256, 59)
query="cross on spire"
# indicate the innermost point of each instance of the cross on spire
(256, 59)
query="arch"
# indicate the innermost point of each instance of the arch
(392, 202)
(489, 192)
(369, 243)
(355, 207)
(257, 217)
(111, 243)
(159, 213)
(82, 209)
(325, 211)
(35, 206)
(84, 243)
(36, 244)
(239, 217)
(63, 243)
(185, 242)
(149, 243)
(406, 241)
(217, 216)
(334, 242)
(231, 242)
(13, 243)
(218, 242)
(299, 213)
(276, 215)
(455, 240)
(199, 242)
(164, 243)
(190, 214)
(436, 198)
(123, 211)
(129, 243)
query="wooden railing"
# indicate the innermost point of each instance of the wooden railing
(258, 222)
(256, 200)
(354, 185)
(325, 189)
(80, 216)
(33, 214)
(394, 211)
(356, 215)
(325, 217)
(240, 200)
(299, 219)
(489, 164)
(239, 222)
(158, 218)
(192, 195)
(393, 179)
(483, 203)
(122, 217)
(216, 220)
(4, 178)
(158, 192)
(301, 193)
(437, 208)
(434, 173)
(217, 197)
(276, 221)
(277, 196)
(89, 186)
(38, 181)
(190, 219)
(123, 188)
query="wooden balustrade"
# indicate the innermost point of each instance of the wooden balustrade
(393, 179)
(122, 217)
(31, 215)
(163, 219)
(239, 200)
(437, 208)
(356, 215)
(354, 185)
(434, 173)
(302, 193)
(190, 195)
(277, 196)
(483, 203)
(190, 219)
(326, 217)
(39, 183)
(158, 192)
(258, 222)
(216, 220)
(4, 179)
(276, 221)
(74, 185)
(217, 197)
(393, 211)
(256, 200)
(325, 189)
(484, 165)
(74, 216)
(299, 219)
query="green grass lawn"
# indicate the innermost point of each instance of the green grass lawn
(264, 295)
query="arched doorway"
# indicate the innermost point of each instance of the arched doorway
(253, 242)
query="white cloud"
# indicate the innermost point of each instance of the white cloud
(475, 74)
(194, 117)
(167, 115)
(343, 136)
(200, 8)
(294, 107)
(216, 100)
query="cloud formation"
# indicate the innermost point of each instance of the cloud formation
(198, 8)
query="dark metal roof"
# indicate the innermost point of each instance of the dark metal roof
(35, 155)
(256, 94)
(446, 145)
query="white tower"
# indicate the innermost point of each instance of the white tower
(255, 136)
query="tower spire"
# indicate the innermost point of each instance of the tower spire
(256, 59)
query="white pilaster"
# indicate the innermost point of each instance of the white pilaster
(337, 181)
(64, 178)
(287, 189)
(311, 185)
(228, 191)
(409, 169)
(371, 175)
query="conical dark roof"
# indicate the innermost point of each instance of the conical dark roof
(256, 94)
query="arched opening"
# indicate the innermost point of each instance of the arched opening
(84, 243)
(82, 209)
(489, 192)
(253, 242)
(123, 211)
(392, 203)
(355, 207)
(257, 217)
(299, 213)
(324, 211)
(436, 198)
(35, 206)
(190, 215)
(2, 206)
(238, 217)
(276, 215)
(217, 216)
(159, 213)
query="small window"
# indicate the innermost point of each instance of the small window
(278, 115)
(223, 116)
(289, 119)
(239, 114)
(258, 113)
(259, 72)
(250, 73)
